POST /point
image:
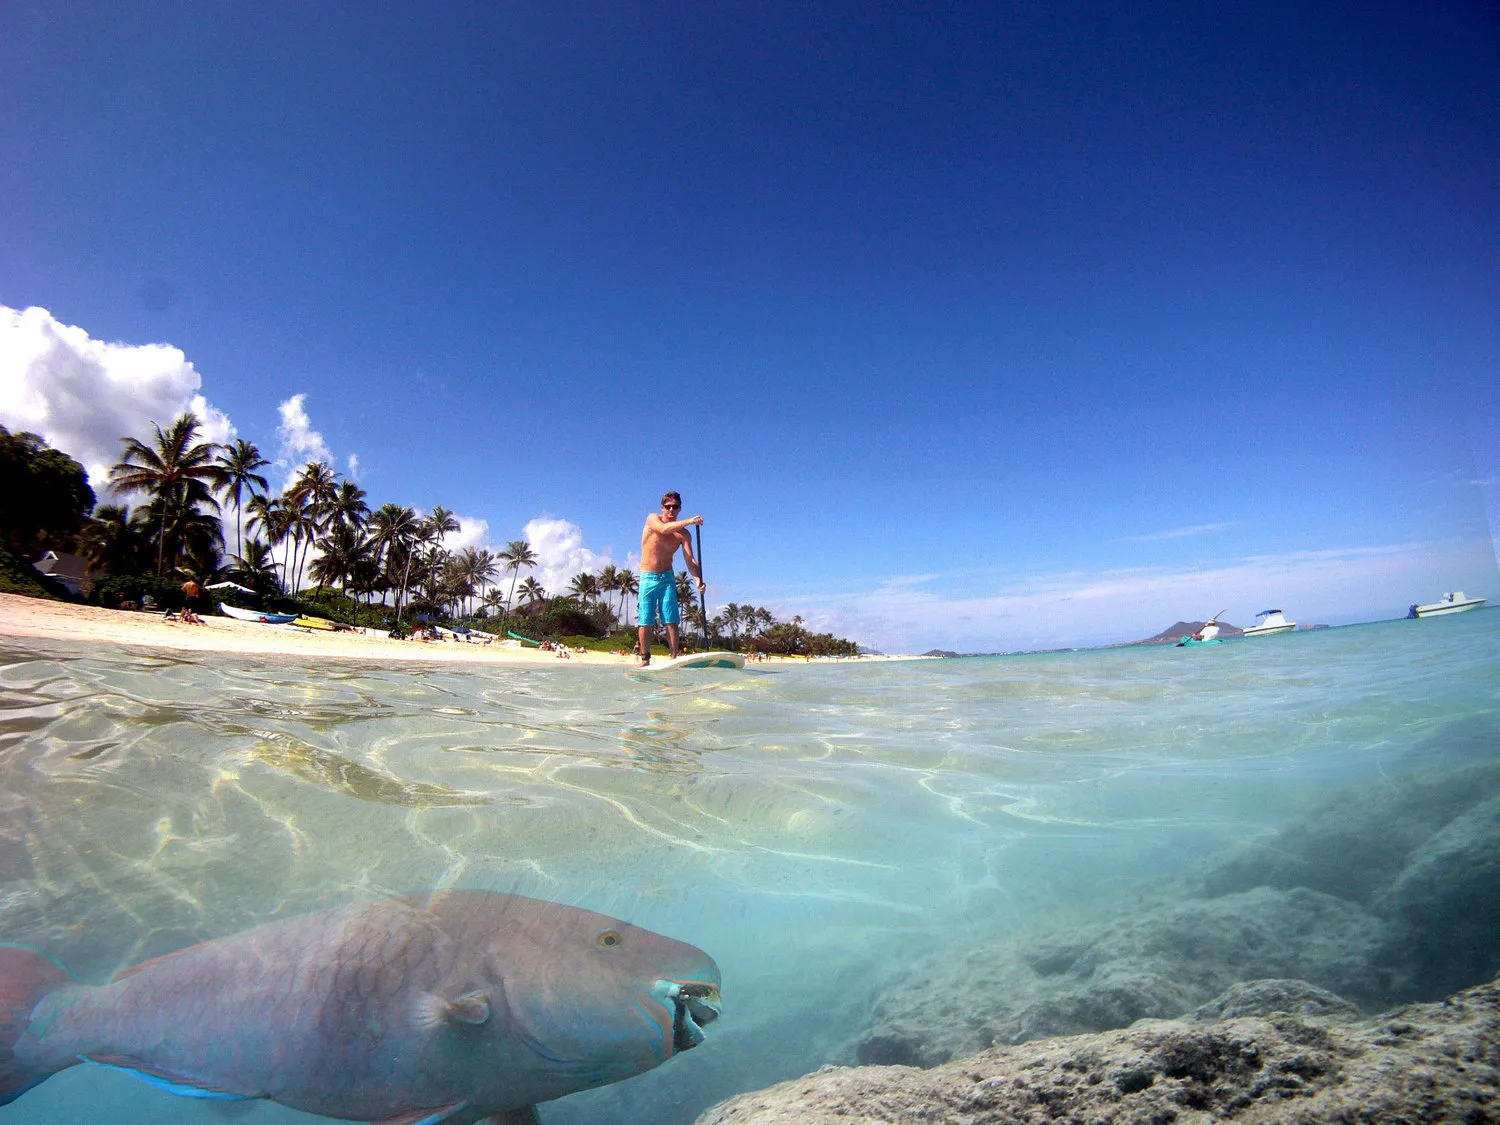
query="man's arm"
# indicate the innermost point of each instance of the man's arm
(669, 526)
(687, 555)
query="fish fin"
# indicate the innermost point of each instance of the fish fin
(423, 1116)
(435, 1011)
(26, 975)
(177, 1084)
(471, 1007)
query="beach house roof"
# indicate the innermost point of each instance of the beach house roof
(71, 570)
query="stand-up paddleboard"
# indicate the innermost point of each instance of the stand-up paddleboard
(698, 660)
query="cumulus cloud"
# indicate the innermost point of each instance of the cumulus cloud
(300, 443)
(472, 532)
(1105, 607)
(558, 546)
(83, 395)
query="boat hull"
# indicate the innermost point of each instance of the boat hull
(1442, 609)
(256, 615)
(1269, 631)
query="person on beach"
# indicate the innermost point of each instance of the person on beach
(663, 534)
(190, 603)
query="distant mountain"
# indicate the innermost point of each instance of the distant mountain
(939, 652)
(1174, 633)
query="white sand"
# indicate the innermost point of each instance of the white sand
(50, 620)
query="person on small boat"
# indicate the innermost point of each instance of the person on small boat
(1207, 631)
(663, 534)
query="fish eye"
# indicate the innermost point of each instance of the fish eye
(609, 938)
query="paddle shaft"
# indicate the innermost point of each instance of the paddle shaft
(702, 598)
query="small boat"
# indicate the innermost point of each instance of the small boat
(1207, 634)
(1269, 621)
(256, 615)
(1456, 602)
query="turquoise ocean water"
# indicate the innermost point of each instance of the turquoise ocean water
(813, 828)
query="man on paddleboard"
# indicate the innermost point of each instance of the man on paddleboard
(660, 538)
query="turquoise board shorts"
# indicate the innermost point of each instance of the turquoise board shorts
(658, 595)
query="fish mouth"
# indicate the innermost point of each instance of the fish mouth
(694, 1003)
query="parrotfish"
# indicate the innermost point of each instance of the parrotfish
(413, 1010)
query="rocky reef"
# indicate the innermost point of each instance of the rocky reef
(1264, 1051)
(1381, 895)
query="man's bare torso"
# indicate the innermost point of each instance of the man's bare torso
(658, 545)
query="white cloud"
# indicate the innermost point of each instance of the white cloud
(472, 532)
(83, 395)
(1071, 609)
(300, 443)
(1183, 532)
(558, 546)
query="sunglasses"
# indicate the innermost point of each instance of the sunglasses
(671, 507)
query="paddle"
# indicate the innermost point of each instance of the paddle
(702, 600)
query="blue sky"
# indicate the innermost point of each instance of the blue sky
(982, 327)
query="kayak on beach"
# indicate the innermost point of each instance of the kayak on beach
(256, 615)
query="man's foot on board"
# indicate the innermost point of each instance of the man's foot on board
(643, 662)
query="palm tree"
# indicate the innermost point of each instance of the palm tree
(478, 567)
(178, 472)
(239, 462)
(311, 496)
(187, 530)
(257, 568)
(109, 543)
(517, 553)
(271, 516)
(584, 586)
(493, 600)
(428, 531)
(341, 552)
(732, 613)
(441, 523)
(629, 587)
(348, 506)
(394, 532)
(609, 580)
(531, 592)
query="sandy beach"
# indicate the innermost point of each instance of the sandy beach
(62, 621)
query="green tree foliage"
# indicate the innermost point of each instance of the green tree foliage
(45, 496)
(179, 474)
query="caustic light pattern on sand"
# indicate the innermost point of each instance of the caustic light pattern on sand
(414, 1009)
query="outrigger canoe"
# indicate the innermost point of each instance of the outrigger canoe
(256, 615)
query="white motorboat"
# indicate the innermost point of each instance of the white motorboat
(1269, 621)
(1456, 602)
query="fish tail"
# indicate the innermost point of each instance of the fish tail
(26, 975)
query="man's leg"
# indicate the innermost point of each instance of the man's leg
(645, 643)
(672, 640)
